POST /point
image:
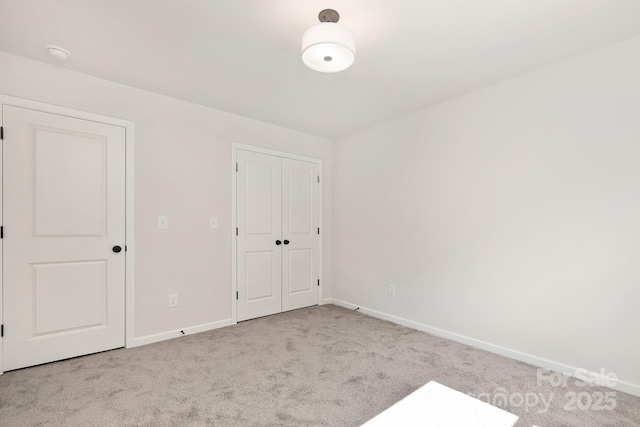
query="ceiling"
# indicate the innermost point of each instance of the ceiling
(243, 56)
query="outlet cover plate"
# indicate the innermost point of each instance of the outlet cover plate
(392, 290)
(173, 300)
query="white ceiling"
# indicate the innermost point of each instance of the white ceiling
(243, 56)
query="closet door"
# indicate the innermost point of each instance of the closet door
(300, 257)
(259, 255)
(277, 259)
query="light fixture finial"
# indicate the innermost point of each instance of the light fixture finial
(329, 15)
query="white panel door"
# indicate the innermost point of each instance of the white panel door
(278, 240)
(300, 257)
(259, 257)
(64, 214)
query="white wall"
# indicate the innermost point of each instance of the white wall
(182, 170)
(510, 215)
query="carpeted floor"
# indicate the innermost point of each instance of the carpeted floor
(321, 366)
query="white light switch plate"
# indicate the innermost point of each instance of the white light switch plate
(163, 223)
(213, 222)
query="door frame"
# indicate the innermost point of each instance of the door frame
(129, 201)
(235, 146)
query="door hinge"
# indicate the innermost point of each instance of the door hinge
(125, 248)
(2, 232)
(237, 295)
(318, 230)
(318, 282)
(1, 132)
(236, 167)
(318, 179)
(236, 231)
(1, 331)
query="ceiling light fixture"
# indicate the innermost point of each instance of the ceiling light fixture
(58, 52)
(328, 47)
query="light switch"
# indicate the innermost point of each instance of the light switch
(163, 223)
(213, 222)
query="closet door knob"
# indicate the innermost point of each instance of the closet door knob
(116, 249)
(286, 242)
(278, 242)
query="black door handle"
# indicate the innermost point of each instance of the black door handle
(286, 242)
(116, 249)
(278, 242)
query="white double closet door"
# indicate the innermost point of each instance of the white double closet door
(278, 235)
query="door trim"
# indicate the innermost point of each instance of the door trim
(129, 201)
(235, 146)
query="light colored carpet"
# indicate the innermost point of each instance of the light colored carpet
(321, 366)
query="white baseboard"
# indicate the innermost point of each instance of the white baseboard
(326, 301)
(150, 339)
(621, 385)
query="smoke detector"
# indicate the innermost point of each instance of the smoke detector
(58, 52)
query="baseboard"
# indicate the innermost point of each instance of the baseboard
(150, 339)
(621, 385)
(326, 301)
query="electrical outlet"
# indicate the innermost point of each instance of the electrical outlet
(392, 290)
(173, 300)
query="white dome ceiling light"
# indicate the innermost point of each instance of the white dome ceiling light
(328, 47)
(58, 52)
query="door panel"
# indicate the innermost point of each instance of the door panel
(86, 281)
(300, 216)
(260, 212)
(259, 259)
(73, 202)
(298, 185)
(64, 209)
(300, 271)
(259, 268)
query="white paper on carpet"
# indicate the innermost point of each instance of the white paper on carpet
(436, 405)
